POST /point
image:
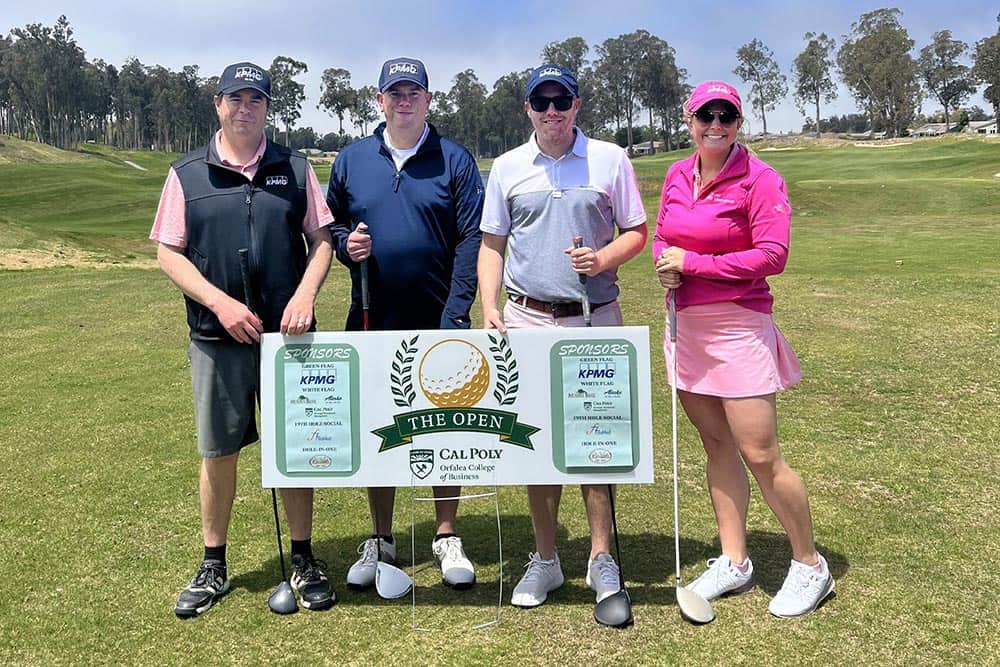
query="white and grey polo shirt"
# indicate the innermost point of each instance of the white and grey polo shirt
(540, 203)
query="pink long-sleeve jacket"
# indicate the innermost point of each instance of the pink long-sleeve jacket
(735, 232)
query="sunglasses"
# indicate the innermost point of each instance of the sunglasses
(539, 103)
(725, 117)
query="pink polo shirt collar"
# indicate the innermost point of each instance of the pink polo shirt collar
(250, 168)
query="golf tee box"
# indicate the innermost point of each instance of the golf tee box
(456, 407)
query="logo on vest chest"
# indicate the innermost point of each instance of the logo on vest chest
(277, 180)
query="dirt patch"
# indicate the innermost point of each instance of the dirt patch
(14, 260)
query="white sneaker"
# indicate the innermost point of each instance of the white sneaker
(456, 569)
(602, 576)
(362, 573)
(540, 578)
(803, 590)
(722, 578)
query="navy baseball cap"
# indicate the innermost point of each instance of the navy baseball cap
(551, 72)
(402, 69)
(244, 75)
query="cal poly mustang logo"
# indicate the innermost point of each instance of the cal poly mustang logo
(421, 462)
(454, 376)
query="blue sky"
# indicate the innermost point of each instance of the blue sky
(492, 38)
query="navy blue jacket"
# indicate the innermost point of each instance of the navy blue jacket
(224, 213)
(424, 225)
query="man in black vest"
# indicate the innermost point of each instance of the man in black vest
(230, 228)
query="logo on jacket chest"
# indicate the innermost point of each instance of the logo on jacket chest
(277, 180)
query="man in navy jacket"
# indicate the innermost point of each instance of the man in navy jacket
(408, 201)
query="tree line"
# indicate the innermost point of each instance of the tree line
(49, 91)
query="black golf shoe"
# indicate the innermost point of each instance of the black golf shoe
(209, 584)
(310, 582)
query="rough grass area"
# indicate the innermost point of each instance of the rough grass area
(890, 300)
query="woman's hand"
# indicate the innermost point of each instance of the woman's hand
(669, 267)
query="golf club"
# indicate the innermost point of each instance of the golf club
(282, 599)
(365, 298)
(693, 607)
(390, 581)
(585, 302)
(616, 609)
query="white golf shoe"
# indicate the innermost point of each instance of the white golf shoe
(541, 577)
(602, 576)
(456, 568)
(362, 573)
(722, 578)
(803, 590)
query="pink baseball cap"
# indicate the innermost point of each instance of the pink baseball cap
(707, 91)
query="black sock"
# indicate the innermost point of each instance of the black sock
(441, 536)
(303, 548)
(385, 538)
(216, 553)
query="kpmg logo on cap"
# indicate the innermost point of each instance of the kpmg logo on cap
(249, 74)
(549, 71)
(402, 68)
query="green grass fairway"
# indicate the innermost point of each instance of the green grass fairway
(890, 299)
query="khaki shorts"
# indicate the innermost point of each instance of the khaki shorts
(226, 381)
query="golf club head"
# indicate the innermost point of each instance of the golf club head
(694, 608)
(391, 582)
(615, 611)
(282, 600)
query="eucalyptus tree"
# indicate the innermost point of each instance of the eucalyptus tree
(661, 87)
(875, 63)
(507, 125)
(813, 73)
(986, 68)
(287, 94)
(335, 93)
(364, 109)
(619, 71)
(944, 75)
(468, 95)
(767, 84)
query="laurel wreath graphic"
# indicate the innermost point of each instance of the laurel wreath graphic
(506, 384)
(401, 377)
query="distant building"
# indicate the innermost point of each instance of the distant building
(311, 151)
(933, 129)
(982, 127)
(869, 135)
(644, 149)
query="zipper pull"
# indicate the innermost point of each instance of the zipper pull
(395, 182)
(248, 189)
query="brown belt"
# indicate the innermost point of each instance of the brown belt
(557, 309)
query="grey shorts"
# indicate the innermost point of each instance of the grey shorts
(226, 381)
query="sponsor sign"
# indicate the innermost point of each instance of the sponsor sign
(471, 407)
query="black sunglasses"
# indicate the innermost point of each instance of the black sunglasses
(540, 103)
(726, 117)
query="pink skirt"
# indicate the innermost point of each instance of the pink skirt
(726, 350)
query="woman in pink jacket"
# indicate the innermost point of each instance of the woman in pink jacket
(722, 229)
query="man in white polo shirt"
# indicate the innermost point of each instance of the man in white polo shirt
(557, 186)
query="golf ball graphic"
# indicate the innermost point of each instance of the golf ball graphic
(454, 374)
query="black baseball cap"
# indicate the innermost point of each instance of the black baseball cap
(244, 75)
